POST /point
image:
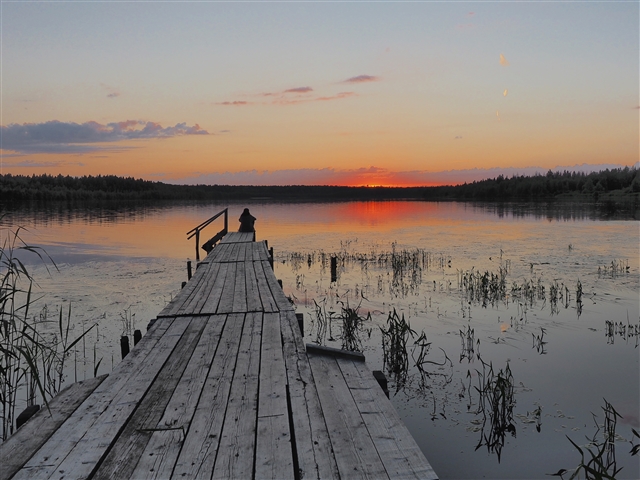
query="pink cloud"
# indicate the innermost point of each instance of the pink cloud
(299, 90)
(235, 103)
(362, 79)
(337, 96)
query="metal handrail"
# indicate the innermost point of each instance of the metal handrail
(196, 231)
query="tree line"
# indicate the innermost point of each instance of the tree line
(18, 189)
(622, 181)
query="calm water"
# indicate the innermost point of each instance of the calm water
(565, 358)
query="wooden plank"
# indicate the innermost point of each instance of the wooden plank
(398, 451)
(218, 252)
(274, 454)
(276, 290)
(226, 298)
(240, 289)
(127, 449)
(237, 444)
(253, 295)
(211, 304)
(313, 448)
(235, 252)
(248, 252)
(162, 450)
(238, 237)
(16, 450)
(259, 251)
(266, 297)
(242, 252)
(205, 293)
(183, 295)
(355, 453)
(199, 296)
(198, 454)
(80, 442)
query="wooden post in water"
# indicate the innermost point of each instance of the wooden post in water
(197, 245)
(300, 318)
(189, 273)
(334, 269)
(137, 336)
(124, 346)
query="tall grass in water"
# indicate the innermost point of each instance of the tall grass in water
(352, 327)
(31, 361)
(601, 461)
(496, 402)
(394, 347)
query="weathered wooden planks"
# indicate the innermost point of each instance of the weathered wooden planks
(19, 447)
(274, 457)
(198, 454)
(237, 440)
(313, 448)
(353, 448)
(238, 237)
(126, 450)
(398, 450)
(163, 447)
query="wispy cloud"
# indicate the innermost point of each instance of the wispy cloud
(69, 137)
(337, 96)
(111, 92)
(362, 79)
(284, 99)
(503, 61)
(299, 90)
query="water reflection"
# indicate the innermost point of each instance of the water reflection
(626, 332)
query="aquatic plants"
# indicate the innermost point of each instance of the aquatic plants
(496, 402)
(601, 463)
(394, 347)
(352, 327)
(32, 360)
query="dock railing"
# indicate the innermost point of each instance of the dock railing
(208, 245)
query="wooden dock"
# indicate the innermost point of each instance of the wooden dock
(221, 387)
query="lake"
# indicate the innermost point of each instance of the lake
(523, 318)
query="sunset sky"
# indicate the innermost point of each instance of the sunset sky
(339, 93)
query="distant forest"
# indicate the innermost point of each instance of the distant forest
(618, 184)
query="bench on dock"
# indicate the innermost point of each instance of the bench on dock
(222, 386)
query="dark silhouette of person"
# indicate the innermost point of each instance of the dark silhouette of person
(247, 222)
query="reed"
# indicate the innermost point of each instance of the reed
(394, 347)
(600, 463)
(496, 403)
(352, 328)
(32, 358)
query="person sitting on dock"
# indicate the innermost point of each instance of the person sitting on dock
(247, 222)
